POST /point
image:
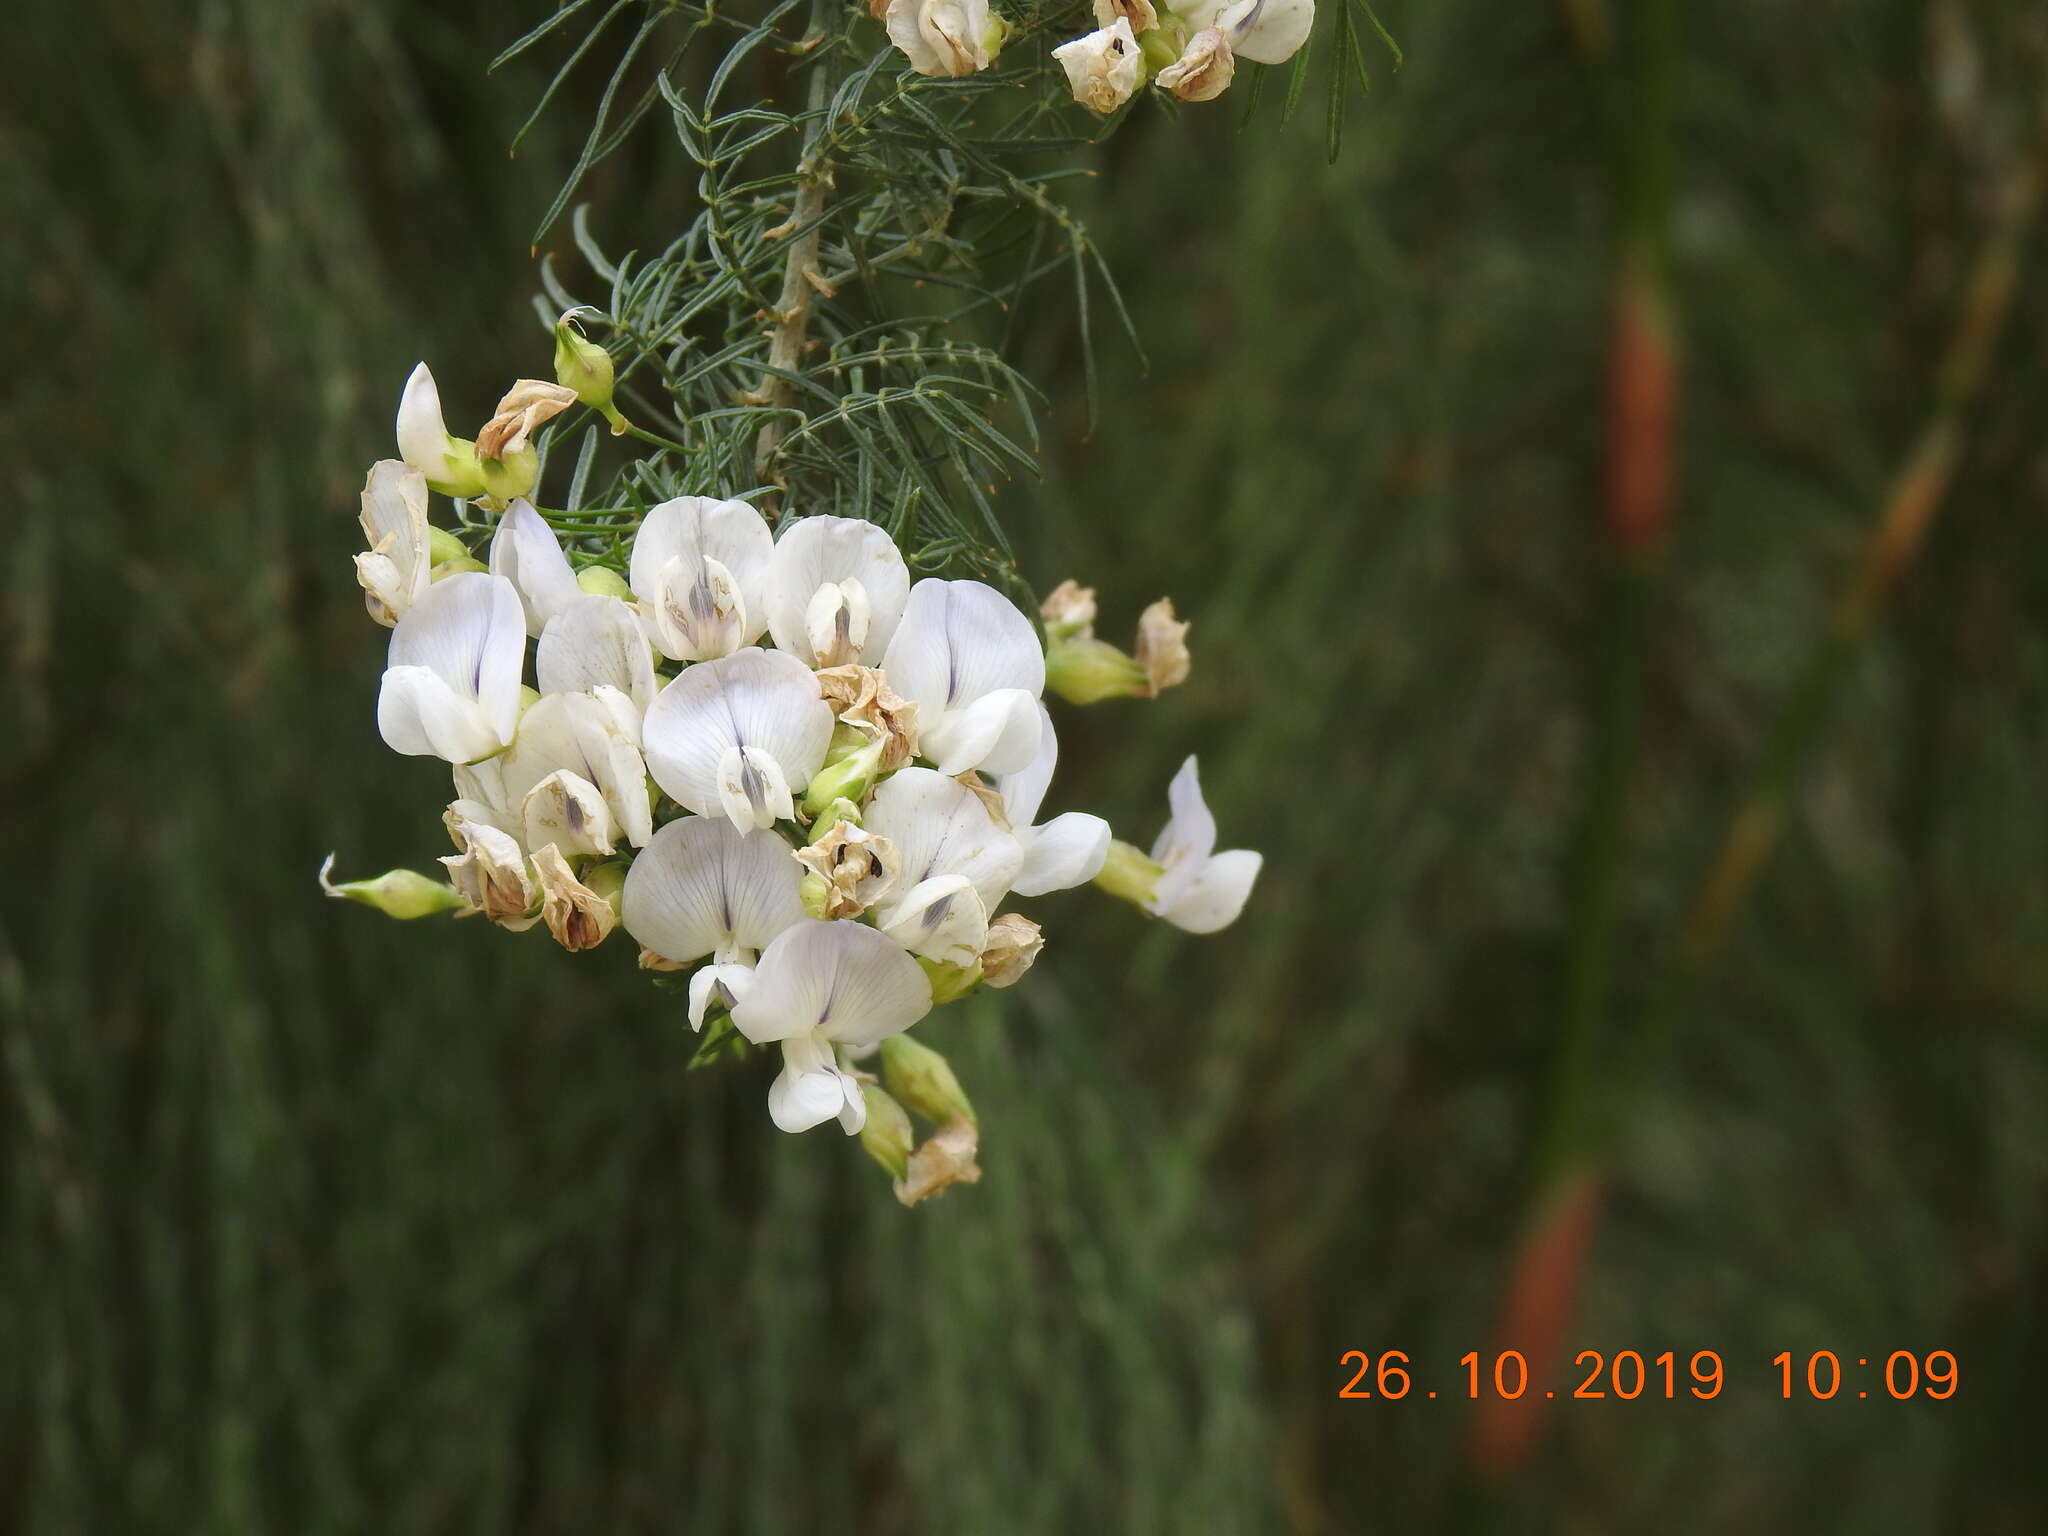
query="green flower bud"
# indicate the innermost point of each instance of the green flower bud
(848, 779)
(887, 1137)
(584, 366)
(816, 893)
(443, 546)
(506, 480)
(1160, 47)
(923, 1082)
(1084, 670)
(603, 581)
(831, 816)
(609, 881)
(1129, 875)
(455, 567)
(949, 982)
(400, 893)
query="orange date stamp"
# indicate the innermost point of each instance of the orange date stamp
(1902, 1375)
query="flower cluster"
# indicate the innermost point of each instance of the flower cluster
(1187, 48)
(778, 763)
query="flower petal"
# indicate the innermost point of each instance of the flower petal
(470, 631)
(1190, 837)
(1067, 851)
(698, 530)
(1217, 894)
(841, 980)
(718, 982)
(999, 731)
(767, 700)
(812, 1088)
(594, 642)
(1023, 791)
(422, 433)
(958, 641)
(940, 827)
(577, 732)
(818, 550)
(701, 888)
(942, 918)
(420, 715)
(395, 569)
(565, 811)
(526, 552)
(1264, 31)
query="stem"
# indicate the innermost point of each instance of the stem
(793, 308)
(1910, 505)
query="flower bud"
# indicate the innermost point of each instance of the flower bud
(609, 881)
(949, 982)
(1010, 949)
(505, 480)
(848, 779)
(584, 367)
(1129, 875)
(1103, 67)
(456, 567)
(922, 1081)
(400, 893)
(603, 581)
(1087, 671)
(449, 463)
(887, 1137)
(443, 546)
(815, 891)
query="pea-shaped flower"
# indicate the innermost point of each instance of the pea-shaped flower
(1264, 31)
(395, 569)
(1064, 852)
(701, 566)
(703, 889)
(820, 986)
(1199, 890)
(836, 589)
(526, 553)
(953, 864)
(973, 665)
(597, 642)
(451, 682)
(732, 736)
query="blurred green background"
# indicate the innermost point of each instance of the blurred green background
(314, 1222)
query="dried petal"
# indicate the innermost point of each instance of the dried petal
(527, 404)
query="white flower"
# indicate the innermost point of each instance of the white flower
(526, 553)
(1102, 68)
(449, 463)
(1203, 71)
(953, 864)
(1264, 31)
(395, 569)
(1200, 890)
(836, 589)
(946, 37)
(701, 566)
(734, 735)
(597, 642)
(972, 664)
(587, 737)
(704, 889)
(1066, 851)
(451, 683)
(822, 985)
